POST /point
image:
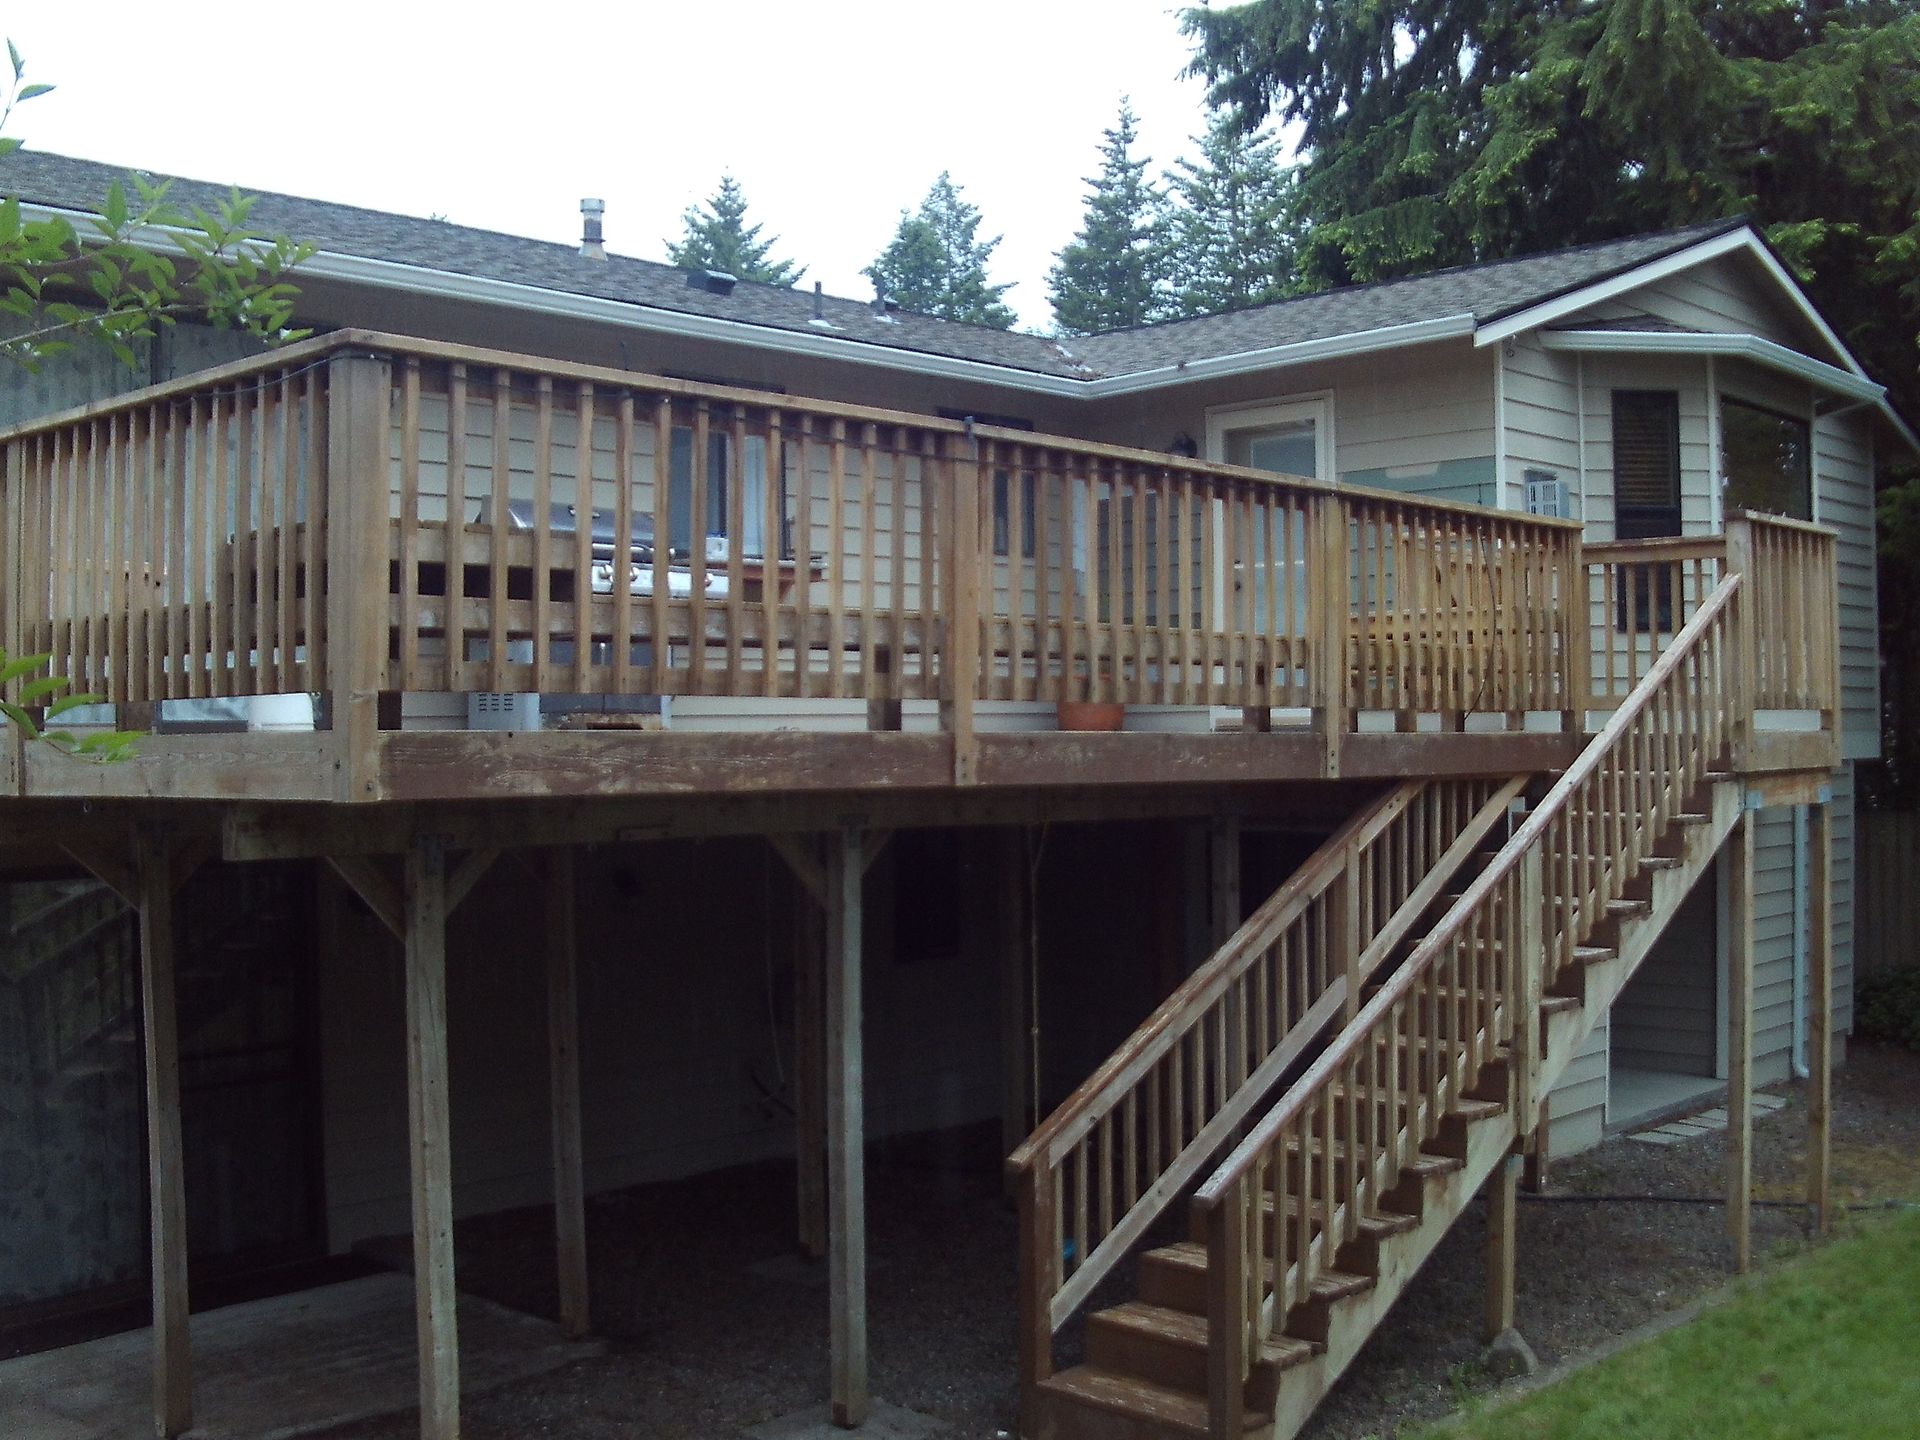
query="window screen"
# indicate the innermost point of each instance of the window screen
(1646, 463)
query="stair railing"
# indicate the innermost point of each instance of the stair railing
(1111, 1158)
(1294, 1191)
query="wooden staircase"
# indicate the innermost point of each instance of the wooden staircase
(1311, 1227)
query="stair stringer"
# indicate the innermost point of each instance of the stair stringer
(1352, 1321)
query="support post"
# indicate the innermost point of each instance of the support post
(846, 1134)
(359, 403)
(428, 1135)
(1502, 1208)
(167, 1212)
(1008, 906)
(1223, 858)
(809, 1062)
(563, 1075)
(1820, 1016)
(1740, 1042)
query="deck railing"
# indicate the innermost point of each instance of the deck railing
(1110, 1159)
(360, 514)
(1297, 1187)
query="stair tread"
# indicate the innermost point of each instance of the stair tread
(1421, 1163)
(1181, 1327)
(1130, 1395)
(1687, 817)
(1593, 954)
(1659, 862)
(1376, 1223)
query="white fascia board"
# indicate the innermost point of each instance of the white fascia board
(1756, 348)
(1547, 311)
(1275, 357)
(565, 305)
(1712, 248)
(479, 289)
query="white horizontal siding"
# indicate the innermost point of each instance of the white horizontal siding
(1577, 1105)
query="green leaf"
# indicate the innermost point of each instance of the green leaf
(32, 92)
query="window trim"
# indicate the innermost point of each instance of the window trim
(1722, 399)
(1316, 405)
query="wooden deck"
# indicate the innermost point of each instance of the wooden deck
(347, 518)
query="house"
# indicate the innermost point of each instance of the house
(684, 656)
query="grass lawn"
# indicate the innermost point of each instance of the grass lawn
(1828, 1345)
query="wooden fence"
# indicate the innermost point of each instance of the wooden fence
(1886, 891)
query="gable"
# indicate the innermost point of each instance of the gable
(1729, 294)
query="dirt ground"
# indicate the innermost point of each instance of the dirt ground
(714, 1326)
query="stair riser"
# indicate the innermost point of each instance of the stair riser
(1130, 1352)
(1178, 1287)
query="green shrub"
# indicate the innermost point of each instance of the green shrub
(1886, 1006)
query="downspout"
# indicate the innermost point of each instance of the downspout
(1800, 957)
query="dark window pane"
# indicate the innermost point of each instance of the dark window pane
(681, 456)
(1766, 459)
(1646, 463)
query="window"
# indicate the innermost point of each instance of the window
(1765, 460)
(720, 474)
(1292, 437)
(1646, 501)
(1002, 512)
(1646, 463)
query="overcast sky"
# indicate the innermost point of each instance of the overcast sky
(834, 115)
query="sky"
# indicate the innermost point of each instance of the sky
(834, 115)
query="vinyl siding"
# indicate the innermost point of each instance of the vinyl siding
(1730, 294)
(1667, 1017)
(1577, 1106)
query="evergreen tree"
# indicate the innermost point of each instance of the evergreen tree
(718, 238)
(937, 265)
(1113, 275)
(1233, 224)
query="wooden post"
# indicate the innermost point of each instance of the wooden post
(846, 1133)
(1226, 1318)
(1502, 1208)
(1577, 605)
(1740, 1041)
(1343, 928)
(428, 1135)
(1223, 855)
(1746, 620)
(167, 1211)
(359, 400)
(1008, 905)
(563, 1075)
(1529, 981)
(809, 1062)
(960, 670)
(1329, 600)
(1820, 1015)
(1040, 1266)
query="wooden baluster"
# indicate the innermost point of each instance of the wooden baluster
(778, 426)
(584, 418)
(500, 493)
(836, 559)
(734, 525)
(665, 674)
(869, 442)
(624, 513)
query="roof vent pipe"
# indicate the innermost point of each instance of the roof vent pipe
(592, 242)
(819, 301)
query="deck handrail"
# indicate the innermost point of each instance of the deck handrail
(1167, 1099)
(1456, 1000)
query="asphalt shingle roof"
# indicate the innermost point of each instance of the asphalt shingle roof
(1483, 291)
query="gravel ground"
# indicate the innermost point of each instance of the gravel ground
(702, 1346)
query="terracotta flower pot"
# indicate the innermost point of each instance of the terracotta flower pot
(1092, 714)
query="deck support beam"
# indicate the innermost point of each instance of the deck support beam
(563, 1075)
(1820, 1016)
(166, 1203)
(1223, 889)
(1009, 920)
(1740, 1041)
(425, 899)
(809, 1069)
(846, 1132)
(1502, 1245)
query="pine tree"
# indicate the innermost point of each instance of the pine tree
(937, 265)
(718, 238)
(1113, 274)
(1232, 231)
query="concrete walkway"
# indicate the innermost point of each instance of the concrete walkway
(275, 1368)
